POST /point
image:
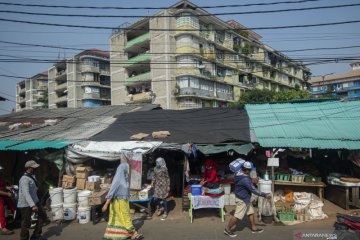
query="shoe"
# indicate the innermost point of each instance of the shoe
(229, 233)
(160, 211)
(258, 230)
(163, 217)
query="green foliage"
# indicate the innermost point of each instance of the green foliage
(237, 47)
(246, 49)
(244, 33)
(268, 96)
(45, 100)
(297, 87)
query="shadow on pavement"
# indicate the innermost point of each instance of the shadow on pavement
(57, 229)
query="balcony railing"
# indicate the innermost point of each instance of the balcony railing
(61, 99)
(140, 97)
(138, 40)
(60, 87)
(139, 58)
(188, 91)
(90, 68)
(139, 78)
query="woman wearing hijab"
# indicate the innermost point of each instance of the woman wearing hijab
(161, 184)
(210, 179)
(120, 224)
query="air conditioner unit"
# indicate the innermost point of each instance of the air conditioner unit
(201, 66)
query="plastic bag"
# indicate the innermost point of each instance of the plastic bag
(265, 206)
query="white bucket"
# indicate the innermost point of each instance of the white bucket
(69, 211)
(57, 211)
(265, 186)
(84, 215)
(70, 195)
(56, 196)
(83, 198)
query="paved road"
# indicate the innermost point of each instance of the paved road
(207, 226)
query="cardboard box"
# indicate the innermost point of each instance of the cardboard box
(82, 172)
(93, 186)
(145, 194)
(67, 185)
(70, 179)
(81, 183)
(98, 198)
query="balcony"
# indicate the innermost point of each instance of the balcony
(187, 29)
(318, 91)
(42, 88)
(97, 84)
(353, 87)
(61, 99)
(91, 96)
(145, 97)
(138, 79)
(61, 87)
(187, 50)
(22, 91)
(104, 72)
(90, 68)
(188, 91)
(139, 58)
(138, 40)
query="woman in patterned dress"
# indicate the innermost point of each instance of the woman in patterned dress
(120, 224)
(161, 184)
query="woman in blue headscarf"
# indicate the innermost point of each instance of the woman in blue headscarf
(120, 224)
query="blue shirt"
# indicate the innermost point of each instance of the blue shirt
(244, 188)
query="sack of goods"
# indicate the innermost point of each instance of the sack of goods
(236, 165)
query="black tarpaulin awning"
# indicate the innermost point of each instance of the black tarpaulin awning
(215, 125)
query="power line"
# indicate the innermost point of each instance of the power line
(154, 8)
(173, 30)
(7, 94)
(170, 16)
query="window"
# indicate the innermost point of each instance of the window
(187, 19)
(223, 88)
(90, 61)
(190, 103)
(186, 40)
(194, 82)
(185, 61)
(206, 85)
(183, 82)
(220, 72)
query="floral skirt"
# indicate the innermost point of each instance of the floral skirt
(120, 224)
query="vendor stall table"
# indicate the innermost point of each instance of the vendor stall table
(340, 195)
(197, 202)
(140, 204)
(319, 185)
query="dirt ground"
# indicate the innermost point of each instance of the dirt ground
(207, 225)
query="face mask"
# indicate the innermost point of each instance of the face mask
(158, 166)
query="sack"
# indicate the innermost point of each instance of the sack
(236, 165)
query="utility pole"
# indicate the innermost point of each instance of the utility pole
(323, 78)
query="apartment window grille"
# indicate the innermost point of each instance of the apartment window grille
(185, 61)
(187, 19)
(91, 62)
(183, 82)
(194, 82)
(190, 103)
(206, 85)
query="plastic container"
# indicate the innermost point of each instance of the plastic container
(266, 176)
(196, 189)
(70, 195)
(57, 211)
(265, 186)
(94, 178)
(83, 198)
(227, 188)
(236, 165)
(297, 178)
(69, 211)
(84, 215)
(56, 196)
(312, 179)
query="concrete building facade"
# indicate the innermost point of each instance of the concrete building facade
(80, 81)
(31, 93)
(183, 57)
(346, 85)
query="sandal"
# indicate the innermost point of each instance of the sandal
(137, 236)
(6, 232)
(160, 211)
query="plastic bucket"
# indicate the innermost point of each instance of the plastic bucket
(83, 198)
(84, 214)
(265, 186)
(57, 211)
(70, 195)
(69, 211)
(56, 196)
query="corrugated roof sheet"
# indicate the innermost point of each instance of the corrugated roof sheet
(6, 143)
(73, 123)
(326, 125)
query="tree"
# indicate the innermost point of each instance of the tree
(45, 100)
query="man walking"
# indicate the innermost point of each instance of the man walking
(243, 190)
(29, 203)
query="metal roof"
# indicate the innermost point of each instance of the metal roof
(326, 125)
(39, 144)
(73, 123)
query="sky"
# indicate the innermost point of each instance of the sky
(335, 36)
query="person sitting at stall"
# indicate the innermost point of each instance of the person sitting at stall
(5, 197)
(120, 224)
(210, 179)
(161, 184)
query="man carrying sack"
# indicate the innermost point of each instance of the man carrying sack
(29, 203)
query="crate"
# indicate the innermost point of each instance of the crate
(312, 179)
(196, 189)
(297, 178)
(283, 177)
(286, 216)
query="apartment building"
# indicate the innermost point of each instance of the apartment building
(80, 81)
(183, 57)
(31, 93)
(346, 85)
